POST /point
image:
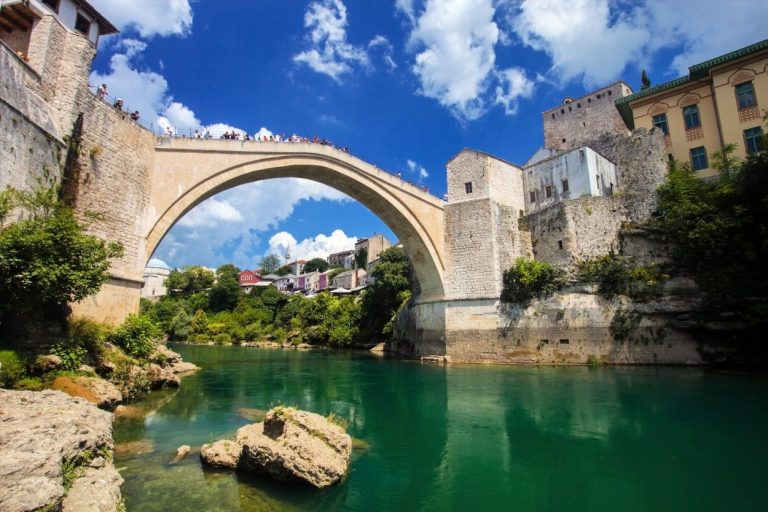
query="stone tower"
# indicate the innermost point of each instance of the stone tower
(485, 201)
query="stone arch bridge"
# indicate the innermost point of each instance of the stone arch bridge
(187, 171)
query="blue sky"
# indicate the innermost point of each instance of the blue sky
(405, 84)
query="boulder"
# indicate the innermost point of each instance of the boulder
(38, 431)
(296, 445)
(106, 368)
(165, 356)
(160, 377)
(94, 389)
(181, 452)
(221, 454)
(47, 363)
(183, 367)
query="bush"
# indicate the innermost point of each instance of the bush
(616, 275)
(11, 368)
(223, 338)
(88, 334)
(72, 356)
(528, 279)
(137, 336)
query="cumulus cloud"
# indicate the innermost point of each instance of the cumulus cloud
(147, 91)
(236, 221)
(319, 246)
(584, 38)
(330, 53)
(417, 169)
(210, 214)
(455, 58)
(148, 17)
(596, 40)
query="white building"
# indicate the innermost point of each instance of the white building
(154, 279)
(577, 173)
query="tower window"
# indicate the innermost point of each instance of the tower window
(468, 187)
(548, 191)
(82, 24)
(532, 195)
(565, 185)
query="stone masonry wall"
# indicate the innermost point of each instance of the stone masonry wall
(116, 162)
(573, 124)
(641, 166)
(63, 59)
(572, 231)
(30, 145)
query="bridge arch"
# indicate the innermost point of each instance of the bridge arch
(188, 171)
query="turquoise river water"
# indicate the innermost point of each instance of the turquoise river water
(464, 438)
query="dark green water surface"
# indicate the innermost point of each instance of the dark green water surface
(461, 438)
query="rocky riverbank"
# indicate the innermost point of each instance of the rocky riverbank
(56, 454)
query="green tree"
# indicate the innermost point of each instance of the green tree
(316, 264)
(226, 291)
(720, 231)
(284, 270)
(189, 280)
(180, 326)
(47, 260)
(200, 322)
(646, 82)
(382, 299)
(269, 263)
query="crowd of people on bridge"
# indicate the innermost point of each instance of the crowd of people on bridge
(168, 131)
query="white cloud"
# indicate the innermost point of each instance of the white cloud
(513, 85)
(147, 92)
(181, 116)
(455, 58)
(330, 53)
(417, 169)
(148, 17)
(211, 214)
(261, 207)
(387, 50)
(319, 246)
(584, 38)
(456, 55)
(595, 41)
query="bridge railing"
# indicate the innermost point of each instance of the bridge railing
(204, 134)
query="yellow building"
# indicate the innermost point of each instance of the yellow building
(720, 101)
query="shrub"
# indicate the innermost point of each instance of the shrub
(88, 334)
(200, 338)
(137, 336)
(29, 384)
(72, 356)
(528, 279)
(221, 339)
(11, 368)
(252, 332)
(616, 275)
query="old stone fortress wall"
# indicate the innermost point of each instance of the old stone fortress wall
(574, 199)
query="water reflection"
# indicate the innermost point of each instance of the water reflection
(461, 437)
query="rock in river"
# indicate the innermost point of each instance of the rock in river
(296, 445)
(221, 454)
(97, 391)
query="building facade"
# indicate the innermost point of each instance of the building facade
(719, 102)
(373, 246)
(344, 259)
